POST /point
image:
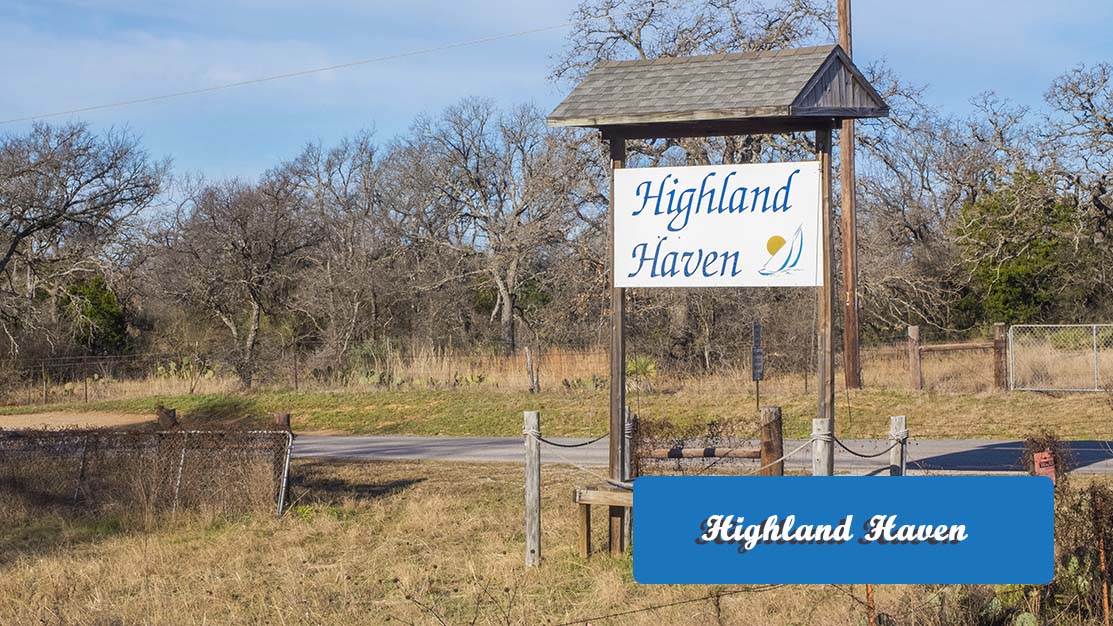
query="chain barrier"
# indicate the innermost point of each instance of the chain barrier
(862, 455)
(571, 445)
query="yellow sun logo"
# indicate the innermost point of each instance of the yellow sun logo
(775, 243)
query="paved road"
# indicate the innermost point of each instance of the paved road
(946, 455)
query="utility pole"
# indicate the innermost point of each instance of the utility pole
(852, 362)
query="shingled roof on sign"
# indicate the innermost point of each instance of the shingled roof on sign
(780, 88)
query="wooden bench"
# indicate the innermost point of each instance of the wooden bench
(619, 503)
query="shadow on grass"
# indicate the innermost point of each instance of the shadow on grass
(328, 483)
(52, 529)
(223, 410)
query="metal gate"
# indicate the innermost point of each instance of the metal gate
(1061, 357)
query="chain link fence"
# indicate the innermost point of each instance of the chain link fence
(1061, 357)
(145, 472)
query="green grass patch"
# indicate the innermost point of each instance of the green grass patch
(493, 412)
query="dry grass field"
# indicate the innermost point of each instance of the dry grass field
(385, 543)
(485, 395)
(882, 368)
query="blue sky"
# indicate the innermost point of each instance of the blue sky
(64, 54)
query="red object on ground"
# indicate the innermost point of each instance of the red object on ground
(1045, 464)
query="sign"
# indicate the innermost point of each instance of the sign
(843, 530)
(1045, 464)
(718, 226)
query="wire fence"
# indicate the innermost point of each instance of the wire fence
(1036, 353)
(1061, 357)
(129, 472)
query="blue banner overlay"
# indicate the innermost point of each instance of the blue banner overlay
(844, 529)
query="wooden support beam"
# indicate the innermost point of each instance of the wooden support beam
(617, 515)
(954, 347)
(585, 530)
(826, 293)
(617, 356)
(772, 442)
(724, 128)
(603, 494)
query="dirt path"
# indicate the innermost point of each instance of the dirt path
(60, 419)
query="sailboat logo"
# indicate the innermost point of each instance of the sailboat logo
(783, 256)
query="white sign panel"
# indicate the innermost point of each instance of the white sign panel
(718, 226)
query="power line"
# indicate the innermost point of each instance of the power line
(275, 77)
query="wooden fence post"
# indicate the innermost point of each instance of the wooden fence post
(167, 418)
(915, 373)
(1000, 362)
(898, 431)
(531, 429)
(46, 390)
(85, 376)
(823, 459)
(772, 442)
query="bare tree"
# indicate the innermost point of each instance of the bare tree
(234, 252)
(496, 190)
(67, 197)
(1081, 129)
(348, 290)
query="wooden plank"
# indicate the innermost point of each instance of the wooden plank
(704, 453)
(532, 424)
(617, 544)
(953, 347)
(825, 306)
(609, 497)
(772, 442)
(585, 530)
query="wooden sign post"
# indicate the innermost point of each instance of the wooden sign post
(617, 514)
(800, 90)
(825, 307)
